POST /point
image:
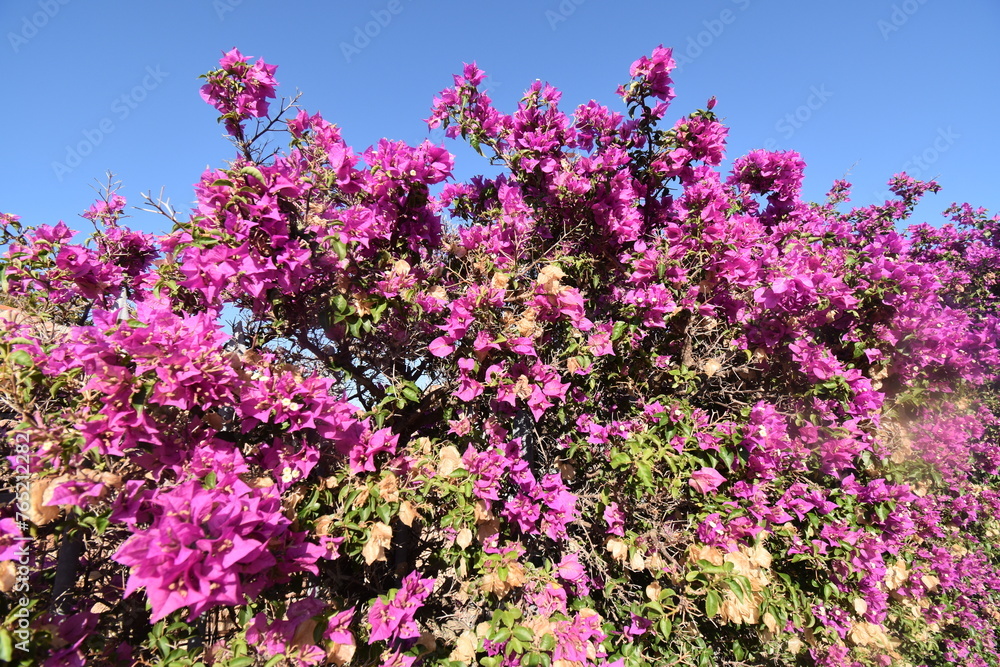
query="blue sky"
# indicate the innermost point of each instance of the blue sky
(869, 87)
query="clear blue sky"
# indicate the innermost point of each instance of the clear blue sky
(855, 85)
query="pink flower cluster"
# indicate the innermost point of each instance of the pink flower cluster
(207, 547)
(240, 90)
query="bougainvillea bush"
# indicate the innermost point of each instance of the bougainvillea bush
(613, 406)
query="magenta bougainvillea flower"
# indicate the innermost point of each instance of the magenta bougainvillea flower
(239, 89)
(208, 547)
(706, 480)
(393, 619)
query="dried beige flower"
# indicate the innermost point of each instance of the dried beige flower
(408, 513)
(388, 488)
(450, 461)
(549, 277)
(378, 542)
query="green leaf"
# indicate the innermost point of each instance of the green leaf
(175, 656)
(56, 386)
(727, 456)
(735, 588)
(712, 602)
(210, 481)
(6, 645)
(829, 590)
(665, 626)
(523, 633)
(645, 473)
(620, 460)
(739, 651)
(275, 660)
(20, 340)
(21, 358)
(500, 636)
(255, 172)
(548, 642)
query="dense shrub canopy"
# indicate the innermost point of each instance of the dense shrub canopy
(609, 407)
